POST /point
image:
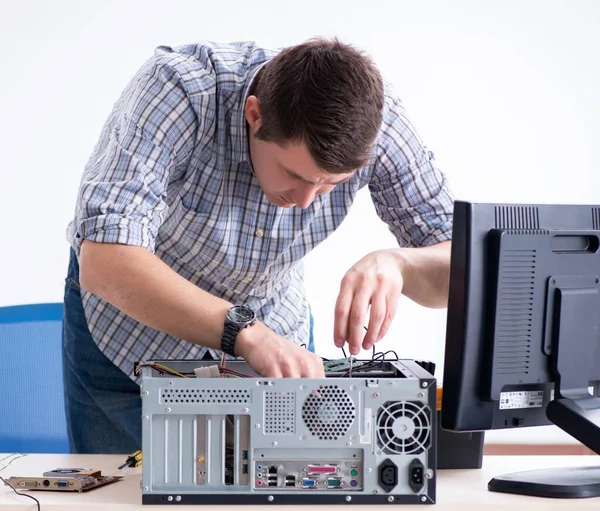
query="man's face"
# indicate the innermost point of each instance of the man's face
(288, 175)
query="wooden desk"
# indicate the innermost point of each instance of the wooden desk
(458, 490)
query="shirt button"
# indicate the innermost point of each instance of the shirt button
(259, 233)
(248, 280)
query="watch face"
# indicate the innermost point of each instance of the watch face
(241, 314)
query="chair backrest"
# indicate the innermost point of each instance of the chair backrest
(32, 414)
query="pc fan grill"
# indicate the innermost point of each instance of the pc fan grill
(328, 412)
(404, 427)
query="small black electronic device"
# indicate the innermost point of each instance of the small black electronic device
(523, 331)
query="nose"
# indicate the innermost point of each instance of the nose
(305, 195)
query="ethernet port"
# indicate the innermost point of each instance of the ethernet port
(272, 469)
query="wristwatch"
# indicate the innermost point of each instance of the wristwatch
(237, 318)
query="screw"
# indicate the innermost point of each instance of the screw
(429, 474)
(375, 491)
(169, 498)
(353, 387)
(168, 410)
(146, 393)
(421, 395)
(423, 499)
(170, 383)
(390, 499)
(246, 410)
(424, 384)
(369, 470)
(274, 444)
(302, 437)
(348, 444)
(257, 425)
(270, 498)
(390, 383)
(146, 488)
(146, 417)
(553, 282)
(178, 498)
(377, 394)
(348, 498)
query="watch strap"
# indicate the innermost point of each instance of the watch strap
(230, 331)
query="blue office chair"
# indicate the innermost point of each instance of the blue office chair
(32, 415)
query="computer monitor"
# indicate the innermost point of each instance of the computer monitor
(522, 336)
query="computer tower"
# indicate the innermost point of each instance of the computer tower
(214, 435)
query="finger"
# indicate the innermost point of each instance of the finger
(342, 312)
(391, 308)
(292, 369)
(273, 372)
(358, 313)
(378, 315)
(316, 368)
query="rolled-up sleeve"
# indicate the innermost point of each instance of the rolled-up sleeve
(410, 194)
(148, 138)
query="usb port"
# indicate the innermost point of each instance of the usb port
(245, 468)
(244, 455)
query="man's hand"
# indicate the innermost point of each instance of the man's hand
(376, 281)
(273, 356)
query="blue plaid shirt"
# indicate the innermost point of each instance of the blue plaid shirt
(172, 173)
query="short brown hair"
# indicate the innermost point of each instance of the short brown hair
(326, 94)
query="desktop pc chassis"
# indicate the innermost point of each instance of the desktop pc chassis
(362, 437)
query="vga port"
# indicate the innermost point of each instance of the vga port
(309, 483)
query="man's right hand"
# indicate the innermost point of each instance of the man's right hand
(273, 356)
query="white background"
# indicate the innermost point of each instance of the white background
(505, 93)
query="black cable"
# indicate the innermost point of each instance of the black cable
(21, 494)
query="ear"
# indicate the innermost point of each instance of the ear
(252, 112)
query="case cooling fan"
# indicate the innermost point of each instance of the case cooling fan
(404, 427)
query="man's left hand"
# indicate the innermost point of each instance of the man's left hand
(376, 281)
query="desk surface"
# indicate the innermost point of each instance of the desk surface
(458, 490)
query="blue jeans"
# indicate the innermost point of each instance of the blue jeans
(102, 403)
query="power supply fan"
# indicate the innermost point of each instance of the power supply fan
(404, 427)
(328, 412)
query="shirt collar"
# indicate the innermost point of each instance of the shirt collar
(239, 131)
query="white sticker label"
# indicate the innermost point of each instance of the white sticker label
(367, 433)
(521, 399)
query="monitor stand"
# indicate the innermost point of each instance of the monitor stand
(574, 305)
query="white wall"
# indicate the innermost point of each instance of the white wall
(505, 93)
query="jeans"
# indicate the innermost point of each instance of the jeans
(103, 405)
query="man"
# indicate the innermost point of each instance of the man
(219, 168)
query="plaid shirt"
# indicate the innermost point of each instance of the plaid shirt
(172, 173)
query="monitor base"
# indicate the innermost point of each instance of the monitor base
(561, 483)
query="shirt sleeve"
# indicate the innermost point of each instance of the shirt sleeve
(147, 139)
(411, 195)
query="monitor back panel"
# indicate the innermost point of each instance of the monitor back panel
(366, 439)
